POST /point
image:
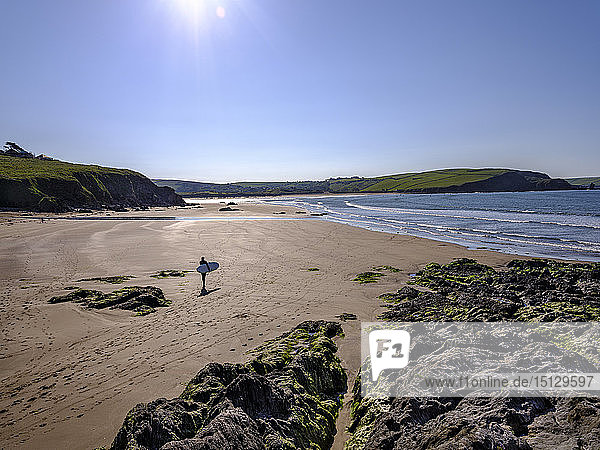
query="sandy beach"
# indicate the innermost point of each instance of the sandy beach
(69, 375)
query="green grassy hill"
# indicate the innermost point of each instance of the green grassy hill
(445, 180)
(434, 179)
(27, 168)
(42, 185)
(583, 181)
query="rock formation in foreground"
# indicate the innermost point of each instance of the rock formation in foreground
(140, 300)
(56, 186)
(287, 396)
(538, 290)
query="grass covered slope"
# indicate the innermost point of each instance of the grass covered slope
(444, 180)
(583, 181)
(287, 397)
(435, 179)
(54, 186)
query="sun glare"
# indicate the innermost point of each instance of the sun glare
(198, 12)
(197, 6)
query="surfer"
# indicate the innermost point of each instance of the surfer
(203, 261)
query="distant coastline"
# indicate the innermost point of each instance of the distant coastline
(41, 183)
(459, 180)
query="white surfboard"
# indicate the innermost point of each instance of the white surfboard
(203, 268)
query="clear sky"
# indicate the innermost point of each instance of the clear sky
(234, 90)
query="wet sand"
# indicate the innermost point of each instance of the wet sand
(69, 375)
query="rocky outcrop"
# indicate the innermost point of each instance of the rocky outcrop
(287, 396)
(477, 423)
(534, 290)
(141, 300)
(56, 186)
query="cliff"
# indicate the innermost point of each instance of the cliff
(57, 186)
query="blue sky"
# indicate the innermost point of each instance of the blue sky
(303, 89)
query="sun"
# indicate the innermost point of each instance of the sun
(191, 6)
(198, 16)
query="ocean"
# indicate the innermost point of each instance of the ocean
(556, 224)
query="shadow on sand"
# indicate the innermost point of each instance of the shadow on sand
(203, 293)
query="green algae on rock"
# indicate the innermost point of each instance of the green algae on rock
(530, 290)
(368, 277)
(464, 290)
(170, 273)
(112, 280)
(346, 316)
(287, 396)
(141, 300)
(388, 268)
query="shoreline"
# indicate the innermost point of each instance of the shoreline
(69, 375)
(474, 233)
(286, 212)
(360, 194)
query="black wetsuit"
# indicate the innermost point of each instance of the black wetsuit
(204, 274)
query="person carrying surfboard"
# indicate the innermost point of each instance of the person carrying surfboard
(204, 268)
(205, 262)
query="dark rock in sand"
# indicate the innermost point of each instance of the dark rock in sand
(112, 280)
(117, 208)
(368, 277)
(288, 396)
(346, 316)
(141, 300)
(169, 273)
(536, 290)
(478, 423)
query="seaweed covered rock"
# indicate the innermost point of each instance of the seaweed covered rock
(141, 300)
(464, 290)
(481, 423)
(112, 280)
(169, 273)
(287, 396)
(368, 277)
